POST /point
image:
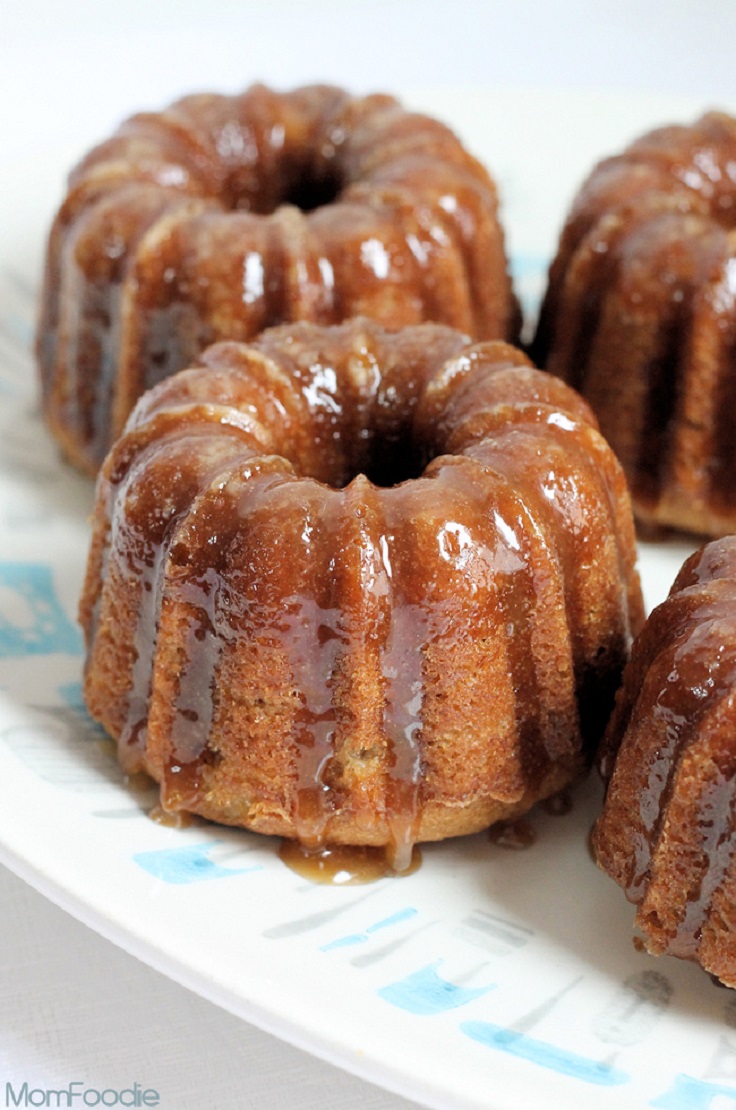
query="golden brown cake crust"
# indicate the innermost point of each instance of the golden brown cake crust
(666, 833)
(222, 216)
(640, 316)
(359, 586)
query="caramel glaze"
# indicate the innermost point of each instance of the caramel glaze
(222, 216)
(668, 829)
(343, 864)
(640, 316)
(286, 645)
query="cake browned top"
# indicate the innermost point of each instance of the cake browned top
(328, 547)
(224, 215)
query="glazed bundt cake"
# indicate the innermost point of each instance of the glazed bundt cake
(222, 216)
(356, 586)
(640, 316)
(666, 833)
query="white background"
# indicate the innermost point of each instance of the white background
(75, 68)
(71, 1004)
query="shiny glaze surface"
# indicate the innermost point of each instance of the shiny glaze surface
(222, 216)
(640, 316)
(668, 831)
(344, 864)
(285, 644)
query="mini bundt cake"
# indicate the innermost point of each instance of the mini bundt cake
(666, 833)
(640, 316)
(355, 586)
(223, 216)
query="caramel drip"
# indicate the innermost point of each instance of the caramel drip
(150, 572)
(414, 623)
(206, 636)
(672, 727)
(171, 820)
(402, 665)
(313, 638)
(342, 864)
(197, 593)
(146, 551)
(355, 624)
(717, 825)
(366, 594)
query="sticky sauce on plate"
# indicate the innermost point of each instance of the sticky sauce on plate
(343, 865)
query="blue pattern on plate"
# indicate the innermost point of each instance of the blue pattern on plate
(190, 864)
(360, 938)
(695, 1094)
(425, 992)
(32, 620)
(544, 1054)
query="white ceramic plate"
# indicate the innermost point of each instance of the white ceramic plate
(489, 978)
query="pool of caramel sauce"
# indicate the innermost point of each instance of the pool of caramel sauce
(341, 864)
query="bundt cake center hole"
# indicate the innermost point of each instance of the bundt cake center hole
(384, 450)
(310, 190)
(303, 187)
(389, 463)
